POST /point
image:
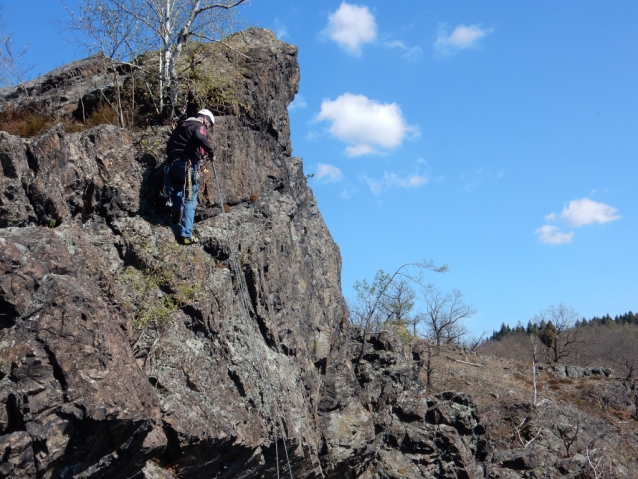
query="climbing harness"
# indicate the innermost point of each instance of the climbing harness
(243, 295)
(168, 189)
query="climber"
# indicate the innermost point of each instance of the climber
(186, 149)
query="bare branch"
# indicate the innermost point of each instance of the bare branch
(219, 5)
(444, 314)
(204, 37)
(12, 64)
(464, 362)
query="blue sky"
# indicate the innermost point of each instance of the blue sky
(498, 137)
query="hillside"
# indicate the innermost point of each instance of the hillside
(123, 355)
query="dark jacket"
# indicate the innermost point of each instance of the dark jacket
(189, 142)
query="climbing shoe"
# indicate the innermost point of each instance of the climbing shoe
(191, 240)
(176, 216)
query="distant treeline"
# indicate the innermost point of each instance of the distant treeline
(557, 335)
(534, 327)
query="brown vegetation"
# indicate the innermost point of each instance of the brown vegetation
(210, 75)
(611, 345)
(32, 119)
(572, 417)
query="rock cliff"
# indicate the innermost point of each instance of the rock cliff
(123, 355)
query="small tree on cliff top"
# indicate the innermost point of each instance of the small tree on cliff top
(122, 29)
(388, 299)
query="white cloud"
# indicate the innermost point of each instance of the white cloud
(375, 185)
(280, 29)
(351, 26)
(347, 193)
(396, 44)
(390, 180)
(461, 38)
(576, 214)
(328, 172)
(413, 54)
(585, 212)
(297, 103)
(367, 124)
(360, 150)
(551, 235)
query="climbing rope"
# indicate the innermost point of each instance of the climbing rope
(243, 295)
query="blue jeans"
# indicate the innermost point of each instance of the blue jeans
(184, 196)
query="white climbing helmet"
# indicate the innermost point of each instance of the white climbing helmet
(207, 114)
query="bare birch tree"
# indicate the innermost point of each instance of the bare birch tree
(127, 27)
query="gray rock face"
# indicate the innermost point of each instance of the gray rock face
(206, 390)
(560, 371)
(416, 434)
(15, 208)
(66, 409)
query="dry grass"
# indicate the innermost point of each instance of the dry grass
(500, 384)
(26, 121)
(32, 119)
(503, 392)
(612, 346)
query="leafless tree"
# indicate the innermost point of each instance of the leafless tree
(600, 464)
(127, 27)
(621, 349)
(471, 342)
(430, 362)
(398, 303)
(99, 28)
(13, 66)
(535, 401)
(444, 315)
(387, 298)
(561, 336)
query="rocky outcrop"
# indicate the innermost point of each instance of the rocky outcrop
(94, 384)
(75, 403)
(416, 434)
(124, 355)
(71, 90)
